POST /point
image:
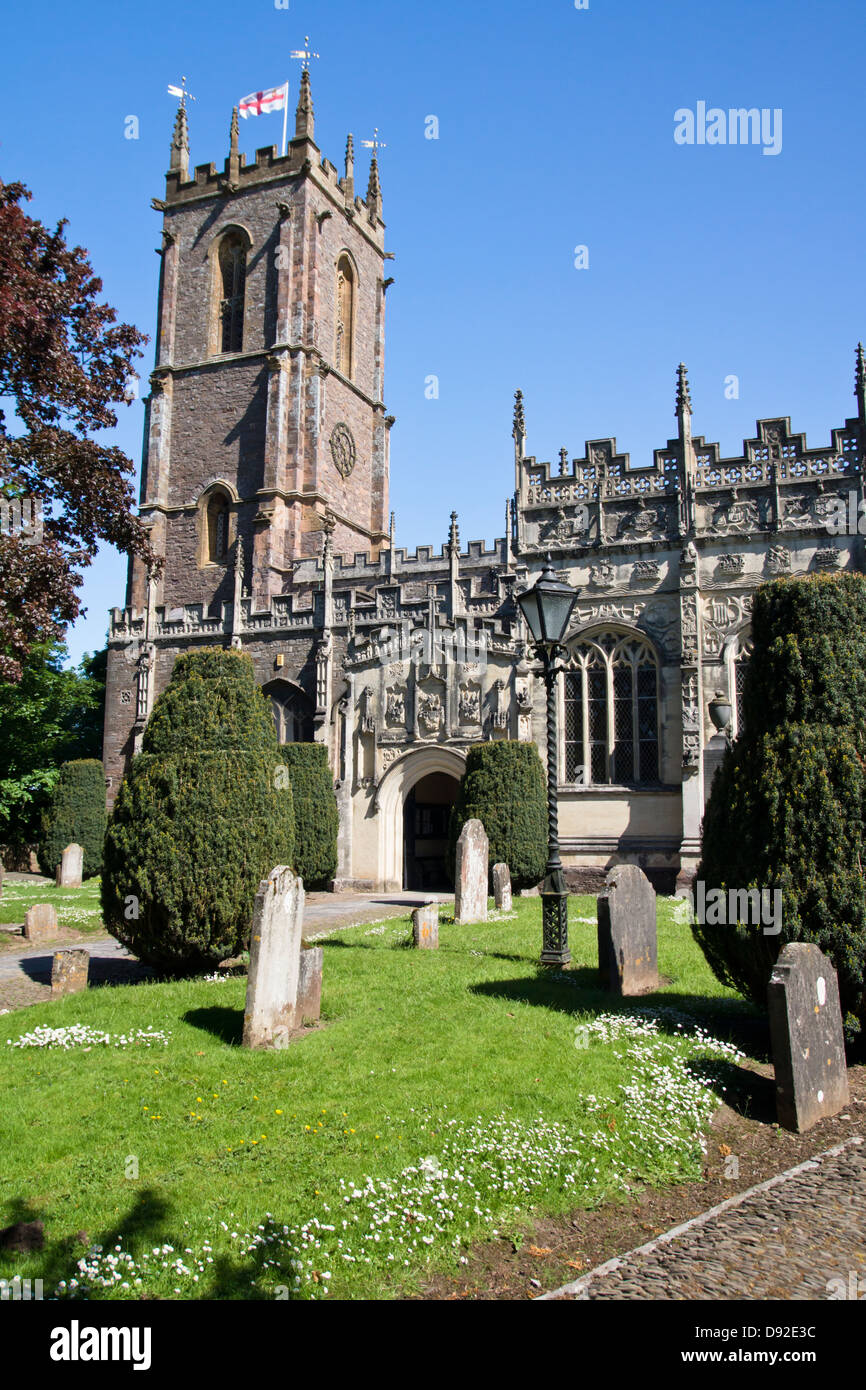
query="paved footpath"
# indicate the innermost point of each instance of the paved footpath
(24, 965)
(799, 1236)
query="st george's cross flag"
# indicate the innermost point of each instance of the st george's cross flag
(263, 103)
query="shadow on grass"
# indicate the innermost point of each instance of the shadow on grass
(225, 1024)
(104, 970)
(149, 1222)
(59, 1260)
(578, 992)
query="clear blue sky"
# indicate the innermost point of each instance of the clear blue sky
(556, 130)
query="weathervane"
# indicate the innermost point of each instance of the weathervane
(305, 53)
(180, 92)
(375, 144)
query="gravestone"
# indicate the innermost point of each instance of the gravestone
(627, 943)
(40, 922)
(309, 1005)
(69, 971)
(502, 887)
(1, 880)
(71, 867)
(806, 1037)
(274, 970)
(470, 874)
(425, 927)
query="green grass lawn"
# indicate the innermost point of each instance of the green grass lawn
(77, 908)
(448, 1095)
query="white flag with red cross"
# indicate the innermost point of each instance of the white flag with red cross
(263, 103)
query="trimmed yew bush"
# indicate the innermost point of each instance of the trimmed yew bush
(786, 809)
(316, 817)
(504, 787)
(75, 815)
(204, 813)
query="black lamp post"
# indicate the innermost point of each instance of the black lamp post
(547, 608)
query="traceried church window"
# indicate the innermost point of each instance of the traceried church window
(232, 275)
(611, 712)
(291, 711)
(217, 528)
(344, 347)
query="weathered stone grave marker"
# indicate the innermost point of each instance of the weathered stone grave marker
(40, 922)
(71, 867)
(309, 1006)
(275, 951)
(627, 941)
(502, 887)
(470, 874)
(425, 927)
(69, 971)
(806, 1036)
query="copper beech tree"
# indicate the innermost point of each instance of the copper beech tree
(65, 363)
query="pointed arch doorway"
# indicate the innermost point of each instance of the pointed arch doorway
(413, 803)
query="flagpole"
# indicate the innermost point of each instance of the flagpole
(285, 114)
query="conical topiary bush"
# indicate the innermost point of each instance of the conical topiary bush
(204, 813)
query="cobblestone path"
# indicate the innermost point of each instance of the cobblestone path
(801, 1236)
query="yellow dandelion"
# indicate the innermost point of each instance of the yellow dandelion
(278, 1112)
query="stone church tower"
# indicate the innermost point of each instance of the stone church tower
(265, 420)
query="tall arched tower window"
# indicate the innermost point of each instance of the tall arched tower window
(344, 346)
(232, 269)
(217, 528)
(611, 712)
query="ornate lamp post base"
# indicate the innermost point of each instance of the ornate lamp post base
(554, 918)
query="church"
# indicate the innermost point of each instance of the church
(265, 489)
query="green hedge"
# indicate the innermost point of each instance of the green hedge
(316, 816)
(504, 787)
(786, 809)
(204, 813)
(75, 815)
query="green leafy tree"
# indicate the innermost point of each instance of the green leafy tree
(52, 715)
(786, 809)
(75, 815)
(65, 364)
(504, 787)
(204, 813)
(316, 818)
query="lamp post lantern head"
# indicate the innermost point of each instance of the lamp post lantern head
(547, 608)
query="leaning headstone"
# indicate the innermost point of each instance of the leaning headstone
(309, 1004)
(502, 887)
(627, 943)
(40, 922)
(806, 1037)
(69, 971)
(71, 867)
(274, 970)
(470, 874)
(425, 927)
